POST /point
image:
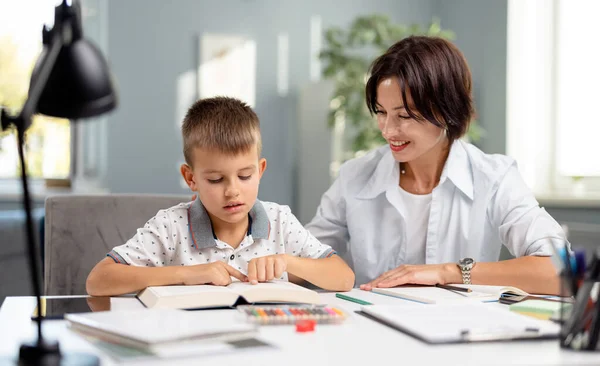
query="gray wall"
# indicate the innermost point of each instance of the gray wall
(153, 42)
(480, 27)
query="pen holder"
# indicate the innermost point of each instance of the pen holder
(580, 322)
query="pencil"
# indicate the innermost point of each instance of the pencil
(352, 299)
(453, 288)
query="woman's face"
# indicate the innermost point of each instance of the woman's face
(408, 138)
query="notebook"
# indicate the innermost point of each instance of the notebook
(540, 309)
(436, 295)
(460, 323)
(208, 296)
(152, 328)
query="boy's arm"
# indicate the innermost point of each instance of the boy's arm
(110, 279)
(330, 273)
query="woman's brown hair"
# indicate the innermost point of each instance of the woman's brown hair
(434, 74)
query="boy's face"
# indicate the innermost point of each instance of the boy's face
(227, 185)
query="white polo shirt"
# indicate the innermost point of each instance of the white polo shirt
(183, 235)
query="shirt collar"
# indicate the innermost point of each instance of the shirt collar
(385, 176)
(387, 173)
(458, 169)
(201, 228)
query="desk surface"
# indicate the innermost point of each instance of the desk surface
(358, 341)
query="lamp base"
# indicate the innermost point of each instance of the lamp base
(48, 354)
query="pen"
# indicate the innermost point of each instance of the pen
(352, 299)
(453, 288)
(571, 264)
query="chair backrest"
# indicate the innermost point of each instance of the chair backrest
(80, 230)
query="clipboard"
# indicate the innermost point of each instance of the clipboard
(406, 321)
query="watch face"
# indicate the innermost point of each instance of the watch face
(466, 261)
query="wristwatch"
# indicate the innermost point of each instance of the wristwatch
(465, 265)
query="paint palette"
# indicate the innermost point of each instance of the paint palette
(290, 314)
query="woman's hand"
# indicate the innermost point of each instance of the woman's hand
(426, 274)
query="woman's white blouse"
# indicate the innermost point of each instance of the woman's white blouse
(480, 203)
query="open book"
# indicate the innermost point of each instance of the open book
(436, 295)
(208, 296)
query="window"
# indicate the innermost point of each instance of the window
(48, 140)
(552, 126)
(227, 67)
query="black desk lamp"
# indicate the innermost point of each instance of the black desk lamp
(70, 80)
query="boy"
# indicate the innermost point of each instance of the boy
(226, 232)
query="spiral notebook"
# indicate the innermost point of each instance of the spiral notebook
(461, 323)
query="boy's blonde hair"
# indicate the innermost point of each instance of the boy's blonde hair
(225, 124)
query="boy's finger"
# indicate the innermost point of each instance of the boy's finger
(270, 269)
(235, 273)
(252, 272)
(279, 269)
(261, 265)
(221, 278)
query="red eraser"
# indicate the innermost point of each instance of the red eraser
(305, 326)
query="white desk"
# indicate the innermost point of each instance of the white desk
(358, 341)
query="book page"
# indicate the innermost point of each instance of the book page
(433, 295)
(275, 291)
(495, 290)
(240, 287)
(187, 297)
(461, 322)
(167, 291)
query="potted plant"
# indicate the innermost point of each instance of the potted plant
(347, 56)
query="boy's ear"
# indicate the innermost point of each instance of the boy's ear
(188, 174)
(262, 166)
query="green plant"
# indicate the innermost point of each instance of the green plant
(347, 55)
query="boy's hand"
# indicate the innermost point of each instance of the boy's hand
(266, 268)
(216, 273)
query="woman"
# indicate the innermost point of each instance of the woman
(429, 208)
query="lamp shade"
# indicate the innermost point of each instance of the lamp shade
(79, 84)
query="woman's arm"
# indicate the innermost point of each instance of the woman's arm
(526, 229)
(535, 275)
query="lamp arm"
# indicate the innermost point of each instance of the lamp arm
(42, 352)
(22, 122)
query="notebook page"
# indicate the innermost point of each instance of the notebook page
(448, 322)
